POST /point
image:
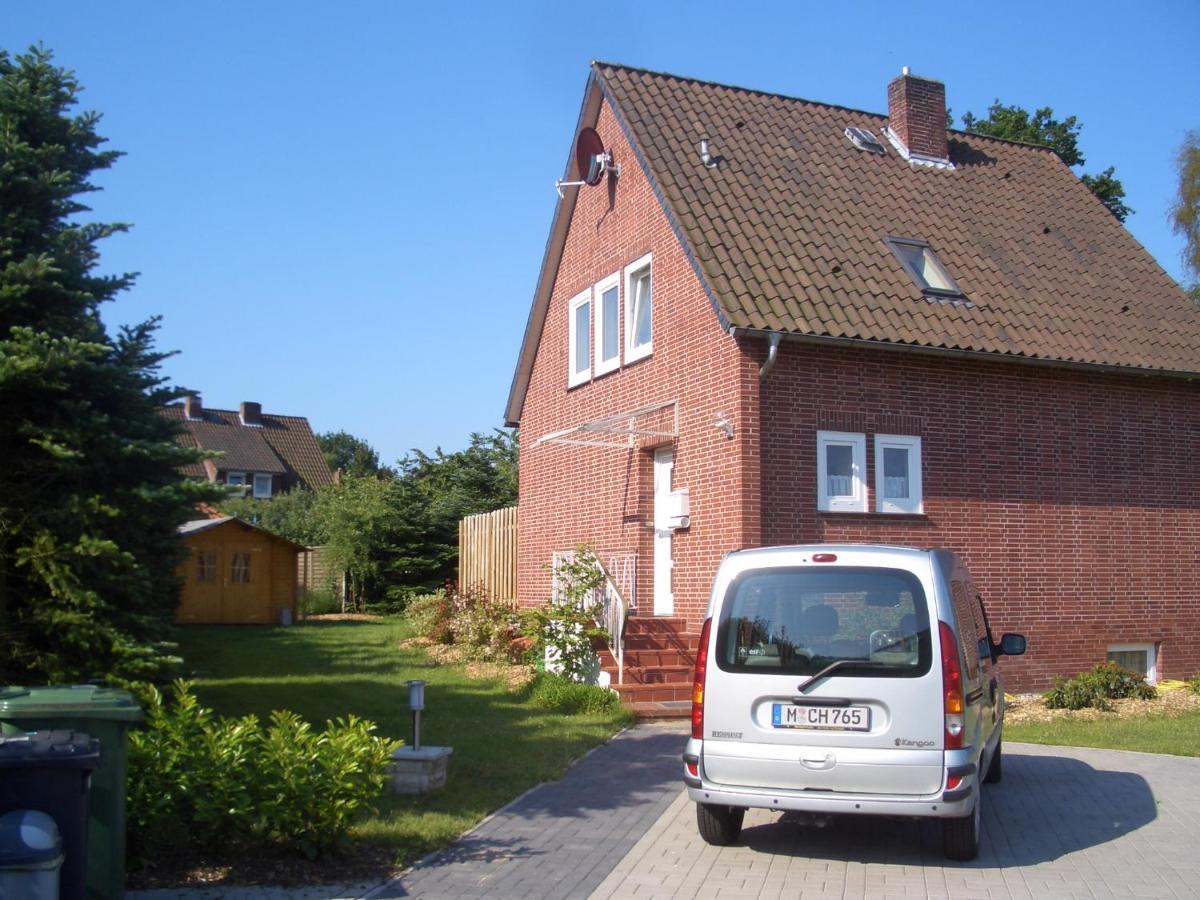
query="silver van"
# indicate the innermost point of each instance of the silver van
(846, 679)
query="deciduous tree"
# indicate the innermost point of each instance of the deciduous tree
(1185, 211)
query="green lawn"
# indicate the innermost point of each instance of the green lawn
(503, 744)
(1178, 735)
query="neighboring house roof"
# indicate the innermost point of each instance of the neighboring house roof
(788, 234)
(281, 445)
(196, 526)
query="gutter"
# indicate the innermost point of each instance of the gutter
(774, 337)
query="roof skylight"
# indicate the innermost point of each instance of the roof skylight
(924, 267)
(865, 140)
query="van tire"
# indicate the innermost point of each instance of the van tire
(960, 837)
(996, 767)
(719, 825)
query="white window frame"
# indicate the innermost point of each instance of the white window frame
(259, 479)
(857, 501)
(603, 366)
(915, 503)
(240, 476)
(632, 270)
(573, 377)
(1151, 651)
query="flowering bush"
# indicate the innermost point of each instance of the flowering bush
(566, 626)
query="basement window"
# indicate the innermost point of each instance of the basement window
(1140, 658)
(924, 267)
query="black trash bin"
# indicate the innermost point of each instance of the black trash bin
(51, 771)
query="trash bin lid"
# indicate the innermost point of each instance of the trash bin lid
(79, 701)
(28, 838)
(49, 750)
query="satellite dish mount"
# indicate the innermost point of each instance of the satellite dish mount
(591, 161)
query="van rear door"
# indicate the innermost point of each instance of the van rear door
(872, 723)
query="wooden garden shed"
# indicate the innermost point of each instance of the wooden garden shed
(236, 574)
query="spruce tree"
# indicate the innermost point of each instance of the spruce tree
(90, 490)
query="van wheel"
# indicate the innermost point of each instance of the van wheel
(960, 837)
(719, 825)
(995, 768)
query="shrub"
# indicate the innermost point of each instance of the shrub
(566, 626)
(430, 616)
(1094, 689)
(484, 625)
(560, 694)
(319, 601)
(1193, 684)
(209, 780)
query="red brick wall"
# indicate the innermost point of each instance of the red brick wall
(604, 497)
(1073, 497)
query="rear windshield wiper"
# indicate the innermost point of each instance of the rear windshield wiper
(837, 664)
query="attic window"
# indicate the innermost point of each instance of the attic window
(924, 267)
(865, 140)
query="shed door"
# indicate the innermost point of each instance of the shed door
(246, 597)
(664, 469)
(201, 601)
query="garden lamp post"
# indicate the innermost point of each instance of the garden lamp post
(416, 702)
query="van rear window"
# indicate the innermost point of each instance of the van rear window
(798, 621)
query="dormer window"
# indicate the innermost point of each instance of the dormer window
(924, 267)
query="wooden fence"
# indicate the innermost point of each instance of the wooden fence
(487, 553)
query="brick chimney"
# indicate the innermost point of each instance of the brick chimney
(917, 115)
(192, 408)
(251, 413)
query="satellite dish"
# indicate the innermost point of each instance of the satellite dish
(591, 161)
(590, 158)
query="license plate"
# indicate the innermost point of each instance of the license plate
(831, 718)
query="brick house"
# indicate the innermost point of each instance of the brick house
(269, 454)
(826, 325)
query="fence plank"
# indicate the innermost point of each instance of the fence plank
(487, 554)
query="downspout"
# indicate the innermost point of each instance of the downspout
(773, 340)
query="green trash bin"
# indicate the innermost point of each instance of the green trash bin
(103, 713)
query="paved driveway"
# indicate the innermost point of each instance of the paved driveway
(1065, 822)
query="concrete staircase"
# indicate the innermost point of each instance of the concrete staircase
(660, 658)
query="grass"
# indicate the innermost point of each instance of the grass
(503, 743)
(1177, 735)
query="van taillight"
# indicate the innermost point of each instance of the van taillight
(952, 691)
(698, 682)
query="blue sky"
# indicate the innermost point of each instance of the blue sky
(339, 209)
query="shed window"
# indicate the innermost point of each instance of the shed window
(924, 267)
(239, 572)
(206, 566)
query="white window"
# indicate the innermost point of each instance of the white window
(897, 474)
(841, 464)
(639, 308)
(607, 301)
(579, 366)
(262, 486)
(1140, 658)
(235, 478)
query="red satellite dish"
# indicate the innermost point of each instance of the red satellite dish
(590, 158)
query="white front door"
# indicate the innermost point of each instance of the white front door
(664, 467)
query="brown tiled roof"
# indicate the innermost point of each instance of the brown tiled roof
(284, 444)
(789, 232)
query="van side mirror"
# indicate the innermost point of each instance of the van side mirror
(1012, 645)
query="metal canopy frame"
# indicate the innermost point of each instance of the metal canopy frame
(620, 431)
